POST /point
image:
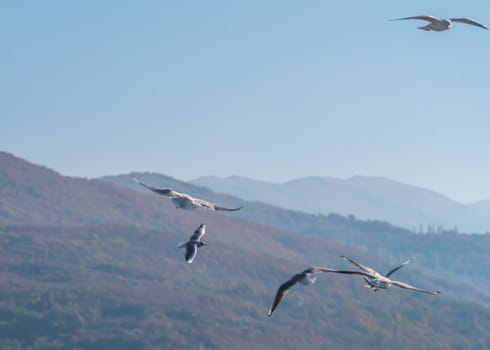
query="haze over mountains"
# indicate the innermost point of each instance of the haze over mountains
(93, 264)
(368, 198)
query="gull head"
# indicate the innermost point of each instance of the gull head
(447, 23)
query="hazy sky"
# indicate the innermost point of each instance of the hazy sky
(272, 90)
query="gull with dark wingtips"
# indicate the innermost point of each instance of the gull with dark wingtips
(378, 281)
(194, 242)
(306, 277)
(372, 277)
(439, 25)
(371, 284)
(183, 200)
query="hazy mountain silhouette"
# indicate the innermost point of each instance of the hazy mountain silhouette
(370, 198)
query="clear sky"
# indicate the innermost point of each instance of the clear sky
(272, 90)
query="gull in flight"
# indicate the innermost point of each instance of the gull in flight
(373, 278)
(373, 285)
(440, 25)
(378, 281)
(305, 278)
(193, 243)
(184, 201)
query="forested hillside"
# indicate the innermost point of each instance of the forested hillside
(115, 287)
(89, 265)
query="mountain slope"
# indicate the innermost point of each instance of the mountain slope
(37, 195)
(116, 287)
(123, 284)
(365, 197)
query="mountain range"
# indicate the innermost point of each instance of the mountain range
(368, 198)
(92, 264)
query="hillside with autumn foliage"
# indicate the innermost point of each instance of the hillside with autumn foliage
(90, 265)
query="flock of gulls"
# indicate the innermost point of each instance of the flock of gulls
(373, 279)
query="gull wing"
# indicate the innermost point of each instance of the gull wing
(217, 207)
(398, 268)
(348, 272)
(468, 21)
(190, 252)
(427, 18)
(211, 206)
(160, 190)
(282, 291)
(198, 233)
(368, 270)
(408, 286)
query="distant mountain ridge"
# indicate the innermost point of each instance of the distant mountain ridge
(368, 198)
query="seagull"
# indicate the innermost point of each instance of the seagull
(378, 281)
(373, 286)
(440, 25)
(305, 278)
(184, 201)
(193, 243)
(373, 278)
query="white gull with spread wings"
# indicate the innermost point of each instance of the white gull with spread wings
(439, 25)
(373, 285)
(378, 281)
(183, 200)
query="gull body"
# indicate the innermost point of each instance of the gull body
(194, 242)
(439, 25)
(183, 200)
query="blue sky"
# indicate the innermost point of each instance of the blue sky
(270, 90)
